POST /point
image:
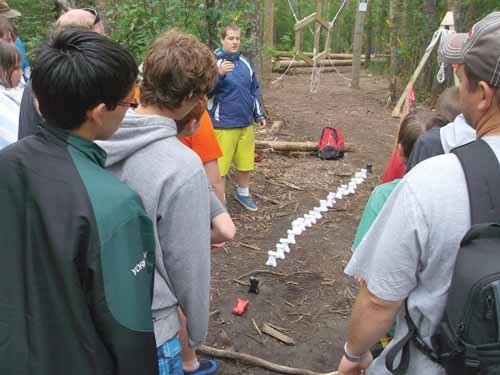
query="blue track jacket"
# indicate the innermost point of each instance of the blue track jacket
(235, 101)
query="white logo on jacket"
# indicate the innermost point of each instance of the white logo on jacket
(139, 266)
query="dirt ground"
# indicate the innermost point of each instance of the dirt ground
(307, 297)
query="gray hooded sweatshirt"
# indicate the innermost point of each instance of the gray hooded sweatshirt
(169, 177)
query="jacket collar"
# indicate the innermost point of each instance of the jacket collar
(88, 148)
(221, 54)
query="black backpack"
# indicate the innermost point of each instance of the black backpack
(468, 338)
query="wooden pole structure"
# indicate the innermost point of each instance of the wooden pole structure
(358, 41)
(447, 23)
(268, 42)
(394, 13)
(317, 32)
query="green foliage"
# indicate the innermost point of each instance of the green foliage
(35, 21)
(136, 23)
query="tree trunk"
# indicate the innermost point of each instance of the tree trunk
(338, 35)
(394, 25)
(211, 22)
(257, 37)
(358, 41)
(428, 76)
(369, 38)
(268, 43)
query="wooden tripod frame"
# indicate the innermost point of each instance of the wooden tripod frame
(447, 23)
(320, 23)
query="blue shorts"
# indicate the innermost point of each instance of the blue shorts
(170, 357)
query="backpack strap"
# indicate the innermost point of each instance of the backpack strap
(403, 346)
(482, 173)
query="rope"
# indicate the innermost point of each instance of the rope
(316, 71)
(338, 13)
(293, 11)
(286, 70)
(295, 15)
(315, 76)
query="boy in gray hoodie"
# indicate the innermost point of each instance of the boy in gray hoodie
(169, 177)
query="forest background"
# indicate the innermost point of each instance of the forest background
(136, 23)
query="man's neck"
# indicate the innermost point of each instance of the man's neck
(152, 110)
(489, 125)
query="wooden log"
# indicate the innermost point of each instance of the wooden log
(295, 146)
(256, 361)
(303, 64)
(335, 56)
(308, 70)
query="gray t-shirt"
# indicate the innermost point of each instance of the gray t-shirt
(411, 248)
(216, 206)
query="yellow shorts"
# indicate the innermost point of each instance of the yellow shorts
(238, 146)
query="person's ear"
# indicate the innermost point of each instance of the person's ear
(97, 114)
(192, 126)
(487, 97)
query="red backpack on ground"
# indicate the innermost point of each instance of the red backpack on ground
(331, 144)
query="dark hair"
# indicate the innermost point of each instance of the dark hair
(436, 120)
(226, 28)
(177, 67)
(7, 28)
(411, 128)
(473, 84)
(448, 104)
(10, 60)
(78, 70)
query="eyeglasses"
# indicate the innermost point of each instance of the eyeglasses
(132, 104)
(97, 19)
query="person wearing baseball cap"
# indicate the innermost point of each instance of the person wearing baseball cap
(418, 233)
(7, 11)
(477, 55)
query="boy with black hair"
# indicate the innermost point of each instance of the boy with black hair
(76, 295)
(145, 153)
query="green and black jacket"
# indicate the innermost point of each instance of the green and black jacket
(76, 253)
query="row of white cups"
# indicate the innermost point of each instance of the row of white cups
(302, 223)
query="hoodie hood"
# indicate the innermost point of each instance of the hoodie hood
(456, 133)
(136, 132)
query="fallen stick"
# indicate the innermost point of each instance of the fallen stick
(253, 247)
(268, 330)
(295, 146)
(255, 361)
